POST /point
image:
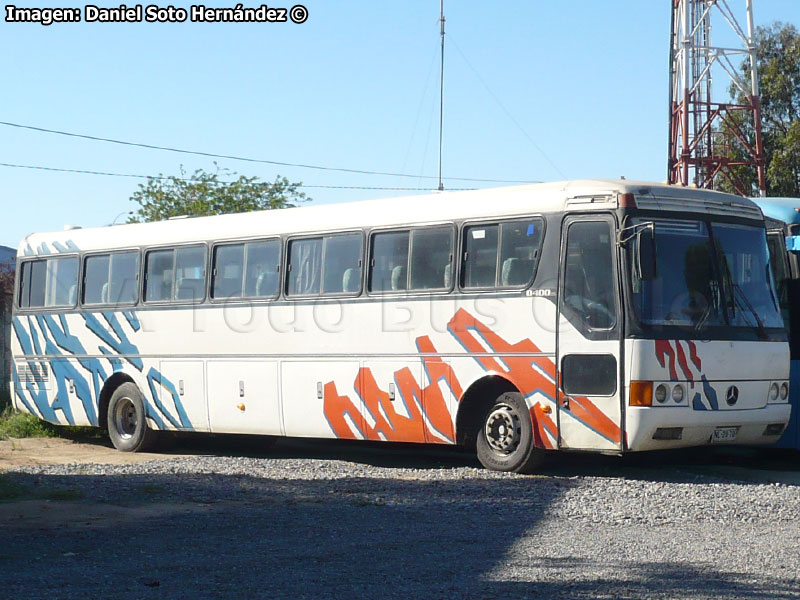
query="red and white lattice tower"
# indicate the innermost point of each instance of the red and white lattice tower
(696, 155)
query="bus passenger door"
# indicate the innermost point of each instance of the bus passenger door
(589, 329)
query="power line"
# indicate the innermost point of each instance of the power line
(504, 109)
(190, 179)
(246, 159)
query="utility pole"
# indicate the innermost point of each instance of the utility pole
(695, 155)
(441, 94)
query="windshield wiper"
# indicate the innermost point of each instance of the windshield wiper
(707, 310)
(703, 317)
(742, 301)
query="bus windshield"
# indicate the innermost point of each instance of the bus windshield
(707, 274)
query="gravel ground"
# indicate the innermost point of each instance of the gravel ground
(338, 521)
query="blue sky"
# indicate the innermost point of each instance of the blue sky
(534, 90)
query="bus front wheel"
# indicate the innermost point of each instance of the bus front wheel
(127, 426)
(505, 440)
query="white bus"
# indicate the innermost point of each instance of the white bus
(605, 316)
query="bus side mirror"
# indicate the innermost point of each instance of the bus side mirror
(646, 254)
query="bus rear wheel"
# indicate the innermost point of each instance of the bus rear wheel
(127, 426)
(505, 439)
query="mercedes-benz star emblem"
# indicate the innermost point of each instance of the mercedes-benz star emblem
(732, 395)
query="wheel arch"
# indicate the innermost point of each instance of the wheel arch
(475, 401)
(109, 387)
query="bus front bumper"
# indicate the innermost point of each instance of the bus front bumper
(657, 428)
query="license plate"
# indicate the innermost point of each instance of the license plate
(724, 434)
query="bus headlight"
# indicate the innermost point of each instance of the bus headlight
(773, 392)
(661, 393)
(678, 393)
(784, 390)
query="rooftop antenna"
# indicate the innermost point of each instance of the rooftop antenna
(441, 94)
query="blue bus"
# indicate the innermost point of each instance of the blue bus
(783, 237)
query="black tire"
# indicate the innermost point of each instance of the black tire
(127, 426)
(505, 438)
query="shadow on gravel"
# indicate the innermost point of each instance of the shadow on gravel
(718, 463)
(240, 537)
(637, 580)
(734, 465)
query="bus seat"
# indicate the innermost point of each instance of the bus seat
(398, 278)
(266, 284)
(350, 280)
(516, 271)
(104, 293)
(73, 294)
(189, 288)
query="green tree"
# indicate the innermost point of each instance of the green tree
(778, 64)
(6, 282)
(204, 193)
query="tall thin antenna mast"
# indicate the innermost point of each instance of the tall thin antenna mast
(696, 116)
(441, 94)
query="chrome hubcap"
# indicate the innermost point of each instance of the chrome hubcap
(503, 429)
(125, 418)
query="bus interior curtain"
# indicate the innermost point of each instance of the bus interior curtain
(307, 276)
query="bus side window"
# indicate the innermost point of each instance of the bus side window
(38, 282)
(111, 278)
(95, 279)
(123, 278)
(342, 264)
(25, 271)
(479, 264)
(776, 244)
(61, 287)
(501, 255)
(160, 266)
(190, 274)
(389, 261)
(519, 250)
(228, 271)
(262, 270)
(431, 258)
(588, 274)
(305, 260)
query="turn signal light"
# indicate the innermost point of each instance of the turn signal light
(641, 393)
